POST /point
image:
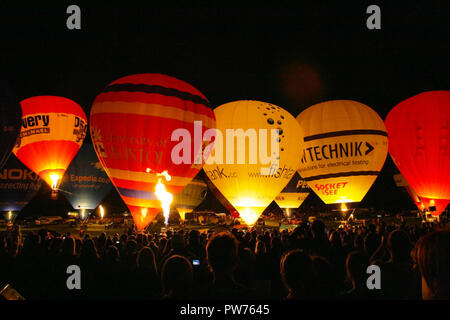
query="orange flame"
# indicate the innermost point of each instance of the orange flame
(164, 196)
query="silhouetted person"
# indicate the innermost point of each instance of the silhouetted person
(297, 274)
(28, 266)
(433, 259)
(358, 243)
(195, 245)
(371, 243)
(275, 254)
(398, 281)
(90, 265)
(222, 256)
(112, 275)
(356, 266)
(325, 278)
(177, 247)
(177, 278)
(146, 282)
(319, 244)
(245, 271)
(261, 272)
(65, 258)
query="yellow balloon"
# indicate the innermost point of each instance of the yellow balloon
(252, 161)
(345, 147)
(293, 195)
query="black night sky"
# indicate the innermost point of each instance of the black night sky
(293, 55)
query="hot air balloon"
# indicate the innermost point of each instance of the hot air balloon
(293, 195)
(18, 185)
(419, 134)
(252, 172)
(137, 123)
(435, 206)
(53, 130)
(85, 183)
(345, 148)
(400, 181)
(11, 114)
(191, 196)
(233, 212)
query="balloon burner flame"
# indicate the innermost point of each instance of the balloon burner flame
(164, 196)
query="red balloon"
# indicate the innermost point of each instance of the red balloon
(419, 142)
(133, 119)
(53, 130)
(438, 205)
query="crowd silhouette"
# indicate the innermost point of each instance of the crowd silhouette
(309, 262)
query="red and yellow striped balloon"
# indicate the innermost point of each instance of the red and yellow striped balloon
(52, 132)
(132, 121)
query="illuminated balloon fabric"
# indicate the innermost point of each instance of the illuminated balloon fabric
(293, 195)
(345, 148)
(85, 183)
(18, 185)
(10, 121)
(419, 142)
(132, 121)
(191, 197)
(400, 181)
(439, 205)
(422, 203)
(243, 184)
(53, 130)
(233, 212)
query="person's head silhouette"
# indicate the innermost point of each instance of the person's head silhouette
(146, 260)
(177, 277)
(318, 228)
(433, 260)
(399, 245)
(297, 273)
(222, 253)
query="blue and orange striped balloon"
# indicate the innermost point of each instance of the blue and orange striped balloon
(132, 121)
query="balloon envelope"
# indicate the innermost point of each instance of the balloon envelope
(18, 185)
(293, 195)
(419, 142)
(191, 197)
(233, 212)
(400, 181)
(10, 121)
(53, 130)
(85, 183)
(345, 147)
(132, 122)
(435, 206)
(245, 172)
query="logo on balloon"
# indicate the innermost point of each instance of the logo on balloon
(339, 150)
(35, 121)
(330, 188)
(80, 128)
